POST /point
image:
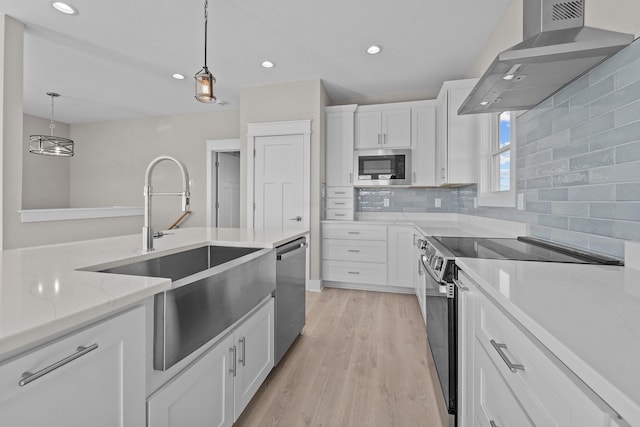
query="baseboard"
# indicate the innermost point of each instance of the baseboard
(315, 285)
(373, 288)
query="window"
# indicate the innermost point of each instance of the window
(496, 178)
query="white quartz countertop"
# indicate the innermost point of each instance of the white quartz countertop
(43, 292)
(587, 315)
(447, 224)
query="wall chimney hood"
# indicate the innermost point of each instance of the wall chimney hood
(557, 48)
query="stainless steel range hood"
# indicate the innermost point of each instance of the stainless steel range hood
(557, 48)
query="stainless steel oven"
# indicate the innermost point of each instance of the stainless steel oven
(383, 167)
(441, 314)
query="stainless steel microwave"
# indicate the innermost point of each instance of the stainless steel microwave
(382, 167)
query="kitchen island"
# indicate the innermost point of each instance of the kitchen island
(80, 344)
(46, 290)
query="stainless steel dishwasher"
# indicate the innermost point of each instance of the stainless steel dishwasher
(289, 294)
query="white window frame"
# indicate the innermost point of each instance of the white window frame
(489, 131)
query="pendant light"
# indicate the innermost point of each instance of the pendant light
(204, 79)
(51, 145)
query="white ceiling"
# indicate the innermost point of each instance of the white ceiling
(114, 60)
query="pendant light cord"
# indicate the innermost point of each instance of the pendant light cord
(206, 19)
(52, 126)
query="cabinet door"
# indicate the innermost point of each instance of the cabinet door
(441, 140)
(400, 257)
(339, 151)
(254, 340)
(494, 401)
(103, 387)
(368, 129)
(423, 145)
(396, 128)
(462, 140)
(202, 395)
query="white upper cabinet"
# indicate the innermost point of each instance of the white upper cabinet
(383, 128)
(423, 145)
(456, 136)
(339, 148)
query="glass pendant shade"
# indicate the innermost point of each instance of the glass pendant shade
(51, 145)
(205, 83)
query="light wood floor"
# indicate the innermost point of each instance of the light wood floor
(361, 362)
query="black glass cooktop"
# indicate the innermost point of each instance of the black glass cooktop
(521, 249)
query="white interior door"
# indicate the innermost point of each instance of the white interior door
(279, 182)
(228, 203)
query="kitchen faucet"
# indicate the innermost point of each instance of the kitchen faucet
(147, 229)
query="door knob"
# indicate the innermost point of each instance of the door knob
(298, 219)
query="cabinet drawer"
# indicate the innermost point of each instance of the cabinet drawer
(550, 392)
(340, 192)
(354, 232)
(354, 250)
(340, 214)
(493, 400)
(333, 203)
(354, 272)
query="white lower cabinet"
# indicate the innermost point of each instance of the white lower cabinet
(369, 254)
(92, 377)
(254, 348)
(215, 389)
(509, 378)
(400, 256)
(201, 396)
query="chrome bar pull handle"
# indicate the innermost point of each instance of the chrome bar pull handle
(384, 141)
(28, 377)
(242, 351)
(513, 366)
(354, 272)
(442, 173)
(350, 179)
(353, 232)
(354, 251)
(459, 285)
(379, 143)
(232, 370)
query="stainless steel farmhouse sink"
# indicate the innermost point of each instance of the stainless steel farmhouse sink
(182, 264)
(213, 287)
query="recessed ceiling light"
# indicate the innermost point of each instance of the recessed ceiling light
(177, 76)
(268, 64)
(65, 8)
(483, 103)
(374, 50)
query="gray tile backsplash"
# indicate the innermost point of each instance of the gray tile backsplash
(578, 165)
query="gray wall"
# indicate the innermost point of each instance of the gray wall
(578, 164)
(45, 179)
(303, 100)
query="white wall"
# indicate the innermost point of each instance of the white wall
(45, 179)
(281, 102)
(614, 15)
(11, 67)
(108, 169)
(113, 156)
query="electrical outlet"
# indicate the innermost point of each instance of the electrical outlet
(438, 203)
(520, 201)
(475, 203)
(386, 202)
